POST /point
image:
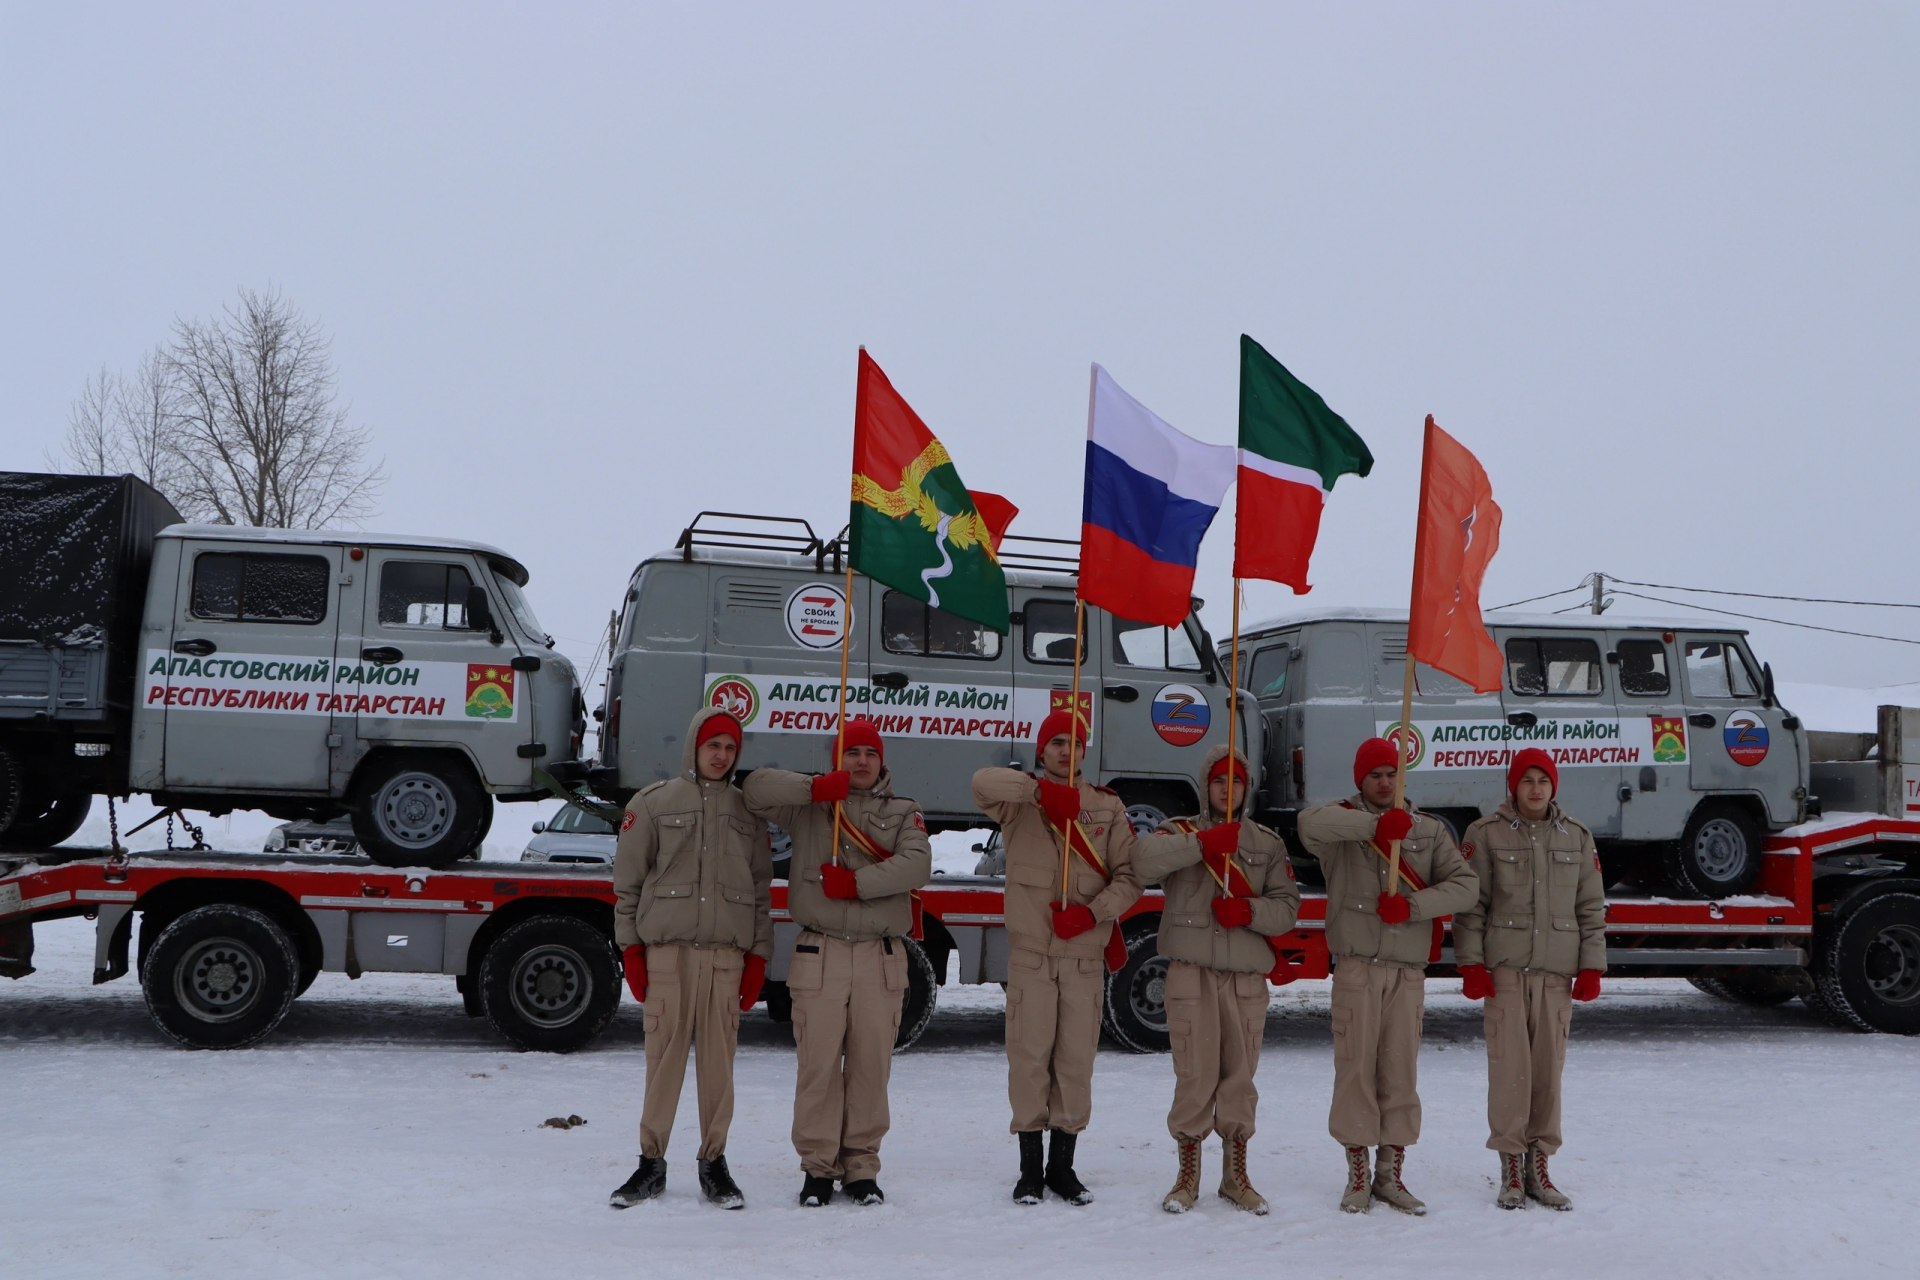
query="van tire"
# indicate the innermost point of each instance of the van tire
(1718, 855)
(1135, 1017)
(550, 984)
(420, 810)
(1868, 969)
(220, 977)
(921, 998)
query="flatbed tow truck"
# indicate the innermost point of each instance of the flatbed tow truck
(227, 941)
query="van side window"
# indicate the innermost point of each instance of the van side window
(1049, 631)
(915, 627)
(1716, 669)
(1268, 676)
(424, 593)
(251, 586)
(1557, 667)
(1142, 644)
(1643, 668)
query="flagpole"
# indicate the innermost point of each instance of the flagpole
(1233, 699)
(1073, 737)
(840, 739)
(1403, 751)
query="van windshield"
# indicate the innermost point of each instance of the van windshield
(521, 610)
(572, 821)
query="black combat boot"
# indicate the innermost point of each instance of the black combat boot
(648, 1181)
(815, 1192)
(717, 1185)
(1060, 1176)
(864, 1191)
(1032, 1187)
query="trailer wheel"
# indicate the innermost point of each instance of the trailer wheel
(923, 995)
(1136, 1014)
(551, 983)
(220, 977)
(420, 811)
(1718, 855)
(41, 824)
(1746, 988)
(1871, 966)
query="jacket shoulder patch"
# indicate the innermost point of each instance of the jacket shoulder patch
(1466, 849)
(626, 822)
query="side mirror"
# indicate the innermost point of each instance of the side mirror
(1766, 683)
(480, 613)
(538, 827)
(979, 848)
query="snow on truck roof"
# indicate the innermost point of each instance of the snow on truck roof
(345, 538)
(1495, 618)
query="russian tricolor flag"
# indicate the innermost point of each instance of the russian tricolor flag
(1150, 494)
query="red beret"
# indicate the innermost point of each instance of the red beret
(1373, 753)
(863, 733)
(1059, 722)
(1532, 758)
(722, 725)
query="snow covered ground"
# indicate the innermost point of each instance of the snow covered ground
(381, 1133)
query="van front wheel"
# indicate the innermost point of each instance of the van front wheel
(1718, 855)
(419, 812)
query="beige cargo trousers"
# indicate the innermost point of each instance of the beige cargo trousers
(1378, 1010)
(1216, 1021)
(1527, 1018)
(1053, 1029)
(847, 998)
(693, 1002)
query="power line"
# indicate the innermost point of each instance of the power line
(1530, 599)
(1778, 622)
(1753, 595)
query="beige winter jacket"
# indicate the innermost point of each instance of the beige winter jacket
(1341, 836)
(692, 864)
(1011, 798)
(883, 909)
(1543, 900)
(1188, 929)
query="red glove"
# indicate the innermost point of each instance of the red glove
(1475, 982)
(634, 960)
(1393, 825)
(1071, 922)
(752, 978)
(1221, 840)
(1587, 985)
(1282, 972)
(838, 882)
(829, 787)
(1062, 803)
(1233, 913)
(1395, 909)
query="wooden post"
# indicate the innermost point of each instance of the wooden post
(1400, 773)
(840, 741)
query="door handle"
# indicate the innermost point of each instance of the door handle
(1523, 719)
(382, 655)
(1121, 692)
(895, 680)
(1701, 720)
(525, 662)
(197, 648)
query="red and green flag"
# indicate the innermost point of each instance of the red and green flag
(1292, 449)
(913, 525)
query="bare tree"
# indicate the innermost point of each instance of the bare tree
(254, 424)
(124, 424)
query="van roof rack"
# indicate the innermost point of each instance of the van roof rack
(748, 532)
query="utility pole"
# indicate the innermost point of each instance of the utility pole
(1601, 600)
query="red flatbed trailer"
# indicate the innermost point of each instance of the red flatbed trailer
(227, 941)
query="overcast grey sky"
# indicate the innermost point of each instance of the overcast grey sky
(591, 269)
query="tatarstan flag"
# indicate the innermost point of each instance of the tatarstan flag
(913, 524)
(1292, 449)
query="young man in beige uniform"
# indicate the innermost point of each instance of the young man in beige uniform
(692, 902)
(1533, 942)
(853, 898)
(1061, 949)
(1382, 943)
(1229, 889)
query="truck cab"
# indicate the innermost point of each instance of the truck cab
(405, 680)
(750, 613)
(1670, 743)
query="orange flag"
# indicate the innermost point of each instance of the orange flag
(1459, 532)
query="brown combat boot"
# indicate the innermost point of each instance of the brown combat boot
(1387, 1185)
(1358, 1198)
(1513, 1181)
(1186, 1187)
(1540, 1186)
(1233, 1178)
